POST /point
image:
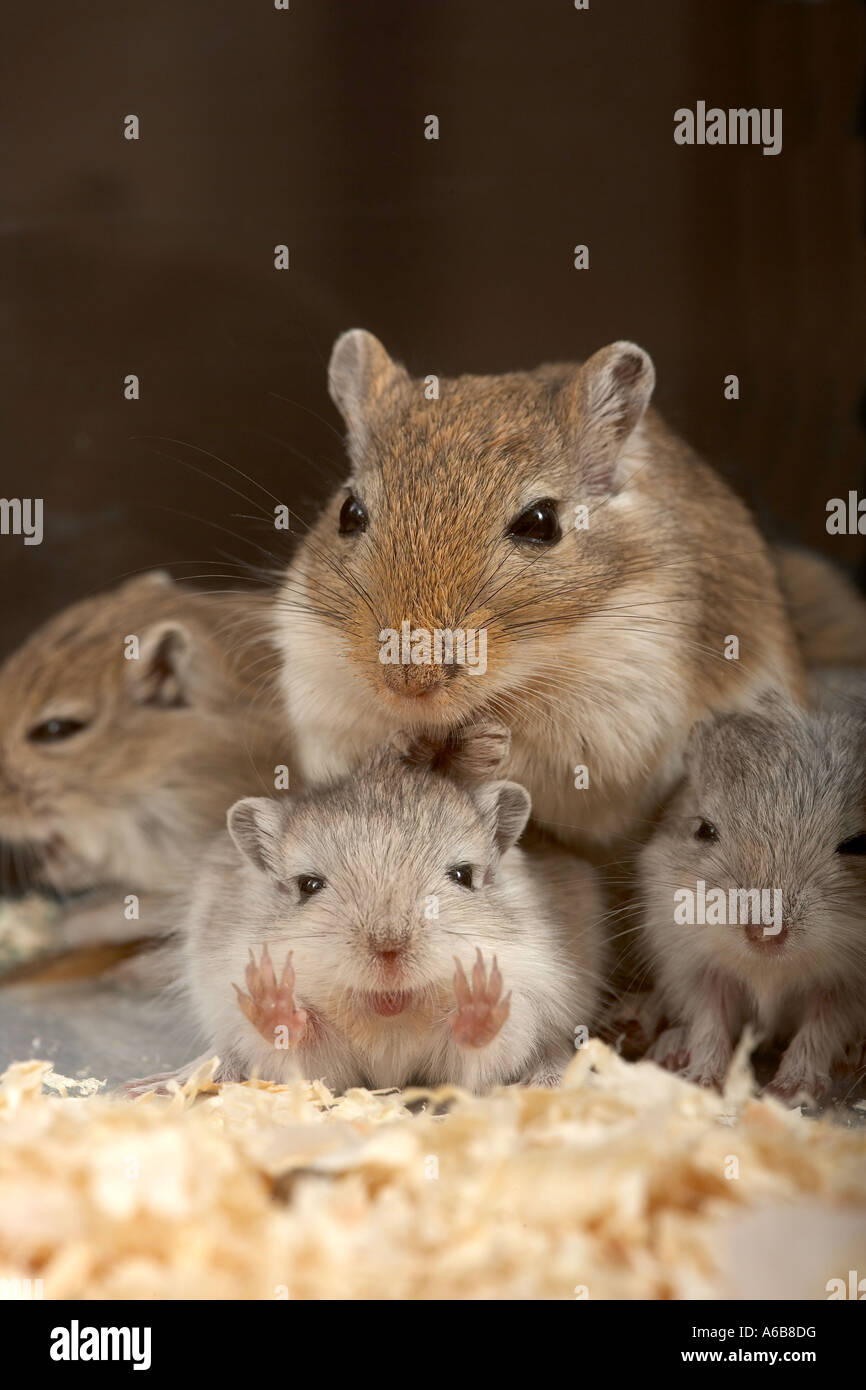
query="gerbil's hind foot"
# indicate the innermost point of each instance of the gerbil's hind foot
(633, 1023)
(480, 1010)
(670, 1050)
(270, 1006)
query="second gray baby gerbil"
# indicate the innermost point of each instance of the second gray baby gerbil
(385, 930)
(772, 802)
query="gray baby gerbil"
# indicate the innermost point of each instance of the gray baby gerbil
(385, 930)
(773, 803)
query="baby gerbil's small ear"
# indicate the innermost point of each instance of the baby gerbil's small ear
(474, 753)
(607, 401)
(160, 674)
(359, 373)
(508, 805)
(256, 826)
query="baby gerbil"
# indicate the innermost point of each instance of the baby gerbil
(385, 930)
(115, 771)
(622, 589)
(772, 801)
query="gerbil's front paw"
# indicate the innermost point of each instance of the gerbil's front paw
(270, 1007)
(480, 1010)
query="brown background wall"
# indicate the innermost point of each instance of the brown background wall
(260, 126)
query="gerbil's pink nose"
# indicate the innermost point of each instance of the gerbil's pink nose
(415, 681)
(388, 949)
(766, 938)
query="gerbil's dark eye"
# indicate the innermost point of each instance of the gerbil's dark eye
(53, 730)
(462, 874)
(538, 523)
(353, 517)
(706, 831)
(856, 845)
(310, 884)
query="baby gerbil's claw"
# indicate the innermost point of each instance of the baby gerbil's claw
(479, 974)
(480, 1012)
(266, 970)
(287, 979)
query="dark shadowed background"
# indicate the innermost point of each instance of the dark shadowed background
(306, 127)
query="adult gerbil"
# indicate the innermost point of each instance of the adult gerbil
(623, 590)
(772, 801)
(385, 930)
(115, 772)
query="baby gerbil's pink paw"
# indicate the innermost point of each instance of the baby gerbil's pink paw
(670, 1050)
(271, 1006)
(788, 1085)
(480, 1010)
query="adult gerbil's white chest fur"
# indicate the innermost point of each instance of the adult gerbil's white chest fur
(621, 589)
(385, 930)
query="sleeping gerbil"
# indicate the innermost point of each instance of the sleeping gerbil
(772, 801)
(385, 929)
(113, 771)
(621, 588)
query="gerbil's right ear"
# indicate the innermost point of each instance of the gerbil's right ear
(606, 401)
(507, 805)
(474, 753)
(256, 826)
(359, 374)
(161, 674)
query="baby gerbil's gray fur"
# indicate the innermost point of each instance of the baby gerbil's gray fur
(783, 793)
(373, 951)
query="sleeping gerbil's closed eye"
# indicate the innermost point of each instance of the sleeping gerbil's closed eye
(537, 523)
(353, 516)
(856, 845)
(53, 730)
(706, 831)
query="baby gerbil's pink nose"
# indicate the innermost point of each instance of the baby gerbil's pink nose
(766, 938)
(389, 954)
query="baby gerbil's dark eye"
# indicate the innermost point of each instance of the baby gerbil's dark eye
(462, 874)
(353, 517)
(538, 522)
(856, 845)
(53, 730)
(706, 831)
(310, 884)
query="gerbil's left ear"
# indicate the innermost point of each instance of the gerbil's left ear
(160, 675)
(606, 401)
(359, 374)
(507, 805)
(471, 754)
(256, 826)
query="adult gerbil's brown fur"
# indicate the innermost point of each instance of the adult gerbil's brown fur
(602, 648)
(115, 771)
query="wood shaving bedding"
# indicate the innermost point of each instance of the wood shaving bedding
(625, 1183)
